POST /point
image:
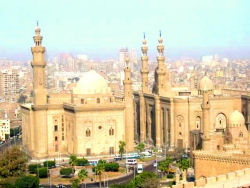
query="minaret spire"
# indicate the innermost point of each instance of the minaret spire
(144, 68)
(38, 64)
(129, 107)
(161, 82)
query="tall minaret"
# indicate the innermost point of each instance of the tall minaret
(206, 120)
(144, 69)
(161, 82)
(38, 64)
(129, 111)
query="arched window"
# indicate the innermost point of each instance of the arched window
(98, 100)
(82, 101)
(198, 122)
(88, 133)
(221, 121)
(111, 131)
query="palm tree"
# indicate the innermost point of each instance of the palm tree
(99, 169)
(72, 160)
(82, 174)
(122, 145)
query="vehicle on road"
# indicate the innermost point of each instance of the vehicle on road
(155, 164)
(93, 162)
(139, 168)
(146, 154)
(131, 161)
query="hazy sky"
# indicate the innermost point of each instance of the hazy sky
(100, 27)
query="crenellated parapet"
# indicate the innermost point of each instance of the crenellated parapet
(229, 180)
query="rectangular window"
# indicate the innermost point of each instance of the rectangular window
(111, 150)
(62, 137)
(88, 151)
(55, 128)
(55, 138)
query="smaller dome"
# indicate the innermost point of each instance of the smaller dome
(236, 119)
(206, 84)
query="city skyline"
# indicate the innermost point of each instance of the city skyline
(100, 29)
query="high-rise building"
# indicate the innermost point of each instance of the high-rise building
(122, 55)
(4, 128)
(9, 85)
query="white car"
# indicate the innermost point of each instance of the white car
(139, 168)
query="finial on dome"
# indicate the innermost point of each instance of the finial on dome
(37, 28)
(144, 36)
(160, 33)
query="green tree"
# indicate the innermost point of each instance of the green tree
(73, 160)
(144, 178)
(75, 183)
(184, 164)
(99, 170)
(164, 165)
(140, 147)
(122, 145)
(12, 162)
(82, 174)
(27, 182)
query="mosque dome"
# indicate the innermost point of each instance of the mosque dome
(91, 83)
(236, 119)
(206, 84)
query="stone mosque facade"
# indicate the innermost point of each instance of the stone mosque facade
(90, 120)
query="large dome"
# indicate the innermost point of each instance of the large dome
(91, 83)
(206, 84)
(236, 119)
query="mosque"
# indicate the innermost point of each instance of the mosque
(90, 120)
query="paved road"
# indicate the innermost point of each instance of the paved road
(124, 179)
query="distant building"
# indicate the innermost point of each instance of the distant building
(122, 55)
(9, 85)
(4, 128)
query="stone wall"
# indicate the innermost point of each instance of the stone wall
(229, 180)
(209, 164)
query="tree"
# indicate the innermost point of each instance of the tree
(122, 145)
(12, 162)
(184, 164)
(140, 147)
(82, 174)
(75, 183)
(27, 182)
(164, 165)
(42, 172)
(73, 160)
(144, 178)
(99, 169)
(66, 172)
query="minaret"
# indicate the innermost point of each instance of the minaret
(161, 82)
(144, 68)
(206, 120)
(129, 111)
(38, 64)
